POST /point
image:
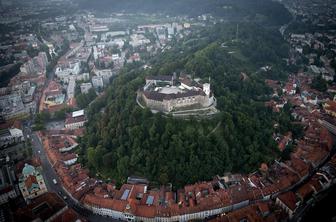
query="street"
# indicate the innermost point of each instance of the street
(49, 174)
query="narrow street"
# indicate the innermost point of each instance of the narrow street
(49, 174)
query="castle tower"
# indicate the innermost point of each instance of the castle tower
(206, 88)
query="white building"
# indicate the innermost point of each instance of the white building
(71, 88)
(65, 72)
(68, 148)
(138, 40)
(118, 42)
(99, 28)
(70, 159)
(10, 136)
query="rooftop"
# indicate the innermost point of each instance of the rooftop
(42, 207)
(78, 113)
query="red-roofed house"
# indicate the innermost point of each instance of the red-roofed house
(330, 108)
(75, 120)
(289, 202)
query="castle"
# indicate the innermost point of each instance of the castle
(169, 93)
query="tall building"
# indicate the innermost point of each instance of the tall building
(7, 184)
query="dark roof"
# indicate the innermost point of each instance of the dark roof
(42, 207)
(77, 119)
(160, 77)
(188, 82)
(161, 96)
(289, 199)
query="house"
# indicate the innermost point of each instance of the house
(75, 120)
(62, 143)
(69, 159)
(288, 202)
(290, 88)
(330, 108)
(283, 143)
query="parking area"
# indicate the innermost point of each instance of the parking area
(55, 125)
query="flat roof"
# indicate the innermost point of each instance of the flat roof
(78, 113)
(169, 90)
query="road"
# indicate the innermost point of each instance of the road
(49, 174)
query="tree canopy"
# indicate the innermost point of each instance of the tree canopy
(122, 139)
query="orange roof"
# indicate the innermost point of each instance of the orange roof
(264, 167)
(330, 106)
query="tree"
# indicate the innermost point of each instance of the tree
(319, 84)
(128, 140)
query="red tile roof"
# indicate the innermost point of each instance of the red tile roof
(289, 199)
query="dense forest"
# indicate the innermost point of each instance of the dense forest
(265, 10)
(9, 73)
(122, 139)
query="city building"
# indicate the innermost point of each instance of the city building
(71, 88)
(53, 97)
(69, 158)
(11, 106)
(75, 120)
(8, 188)
(27, 92)
(10, 136)
(31, 183)
(47, 207)
(62, 143)
(289, 202)
(330, 108)
(105, 74)
(68, 68)
(167, 94)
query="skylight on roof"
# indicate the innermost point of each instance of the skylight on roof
(150, 200)
(125, 194)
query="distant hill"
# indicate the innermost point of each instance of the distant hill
(272, 12)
